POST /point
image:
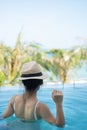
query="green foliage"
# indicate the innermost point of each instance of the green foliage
(57, 65)
(2, 78)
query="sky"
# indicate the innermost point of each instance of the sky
(53, 23)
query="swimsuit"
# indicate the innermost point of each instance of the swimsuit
(35, 114)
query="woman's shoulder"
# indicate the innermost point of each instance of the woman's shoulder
(43, 110)
(42, 106)
(16, 97)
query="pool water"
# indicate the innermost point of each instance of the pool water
(74, 105)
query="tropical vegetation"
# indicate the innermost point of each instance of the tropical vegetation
(56, 62)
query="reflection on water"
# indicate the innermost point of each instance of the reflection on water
(74, 105)
(19, 125)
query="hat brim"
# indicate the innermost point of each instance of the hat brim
(43, 76)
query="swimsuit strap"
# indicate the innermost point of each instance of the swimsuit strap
(14, 104)
(35, 114)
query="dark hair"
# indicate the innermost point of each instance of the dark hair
(32, 84)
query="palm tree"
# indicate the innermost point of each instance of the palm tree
(2, 55)
(13, 59)
(35, 52)
(63, 61)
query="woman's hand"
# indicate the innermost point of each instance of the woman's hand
(57, 96)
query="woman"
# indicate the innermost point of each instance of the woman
(26, 106)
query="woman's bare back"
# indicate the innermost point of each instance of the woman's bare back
(24, 107)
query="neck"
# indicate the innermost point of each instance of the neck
(30, 94)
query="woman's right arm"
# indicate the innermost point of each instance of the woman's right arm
(45, 113)
(9, 110)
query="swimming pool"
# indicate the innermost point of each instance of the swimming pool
(75, 108)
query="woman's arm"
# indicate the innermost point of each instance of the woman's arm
(58, 99)
(45, 113)
(9, 110)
